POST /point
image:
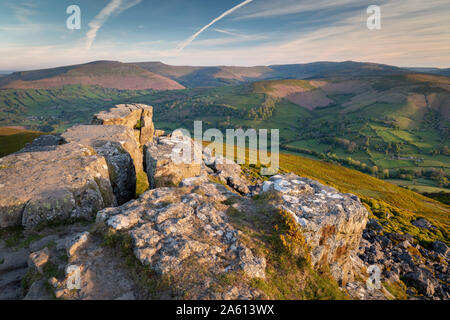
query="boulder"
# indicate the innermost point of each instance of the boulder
(38, 259)
(422, 223)
(421, 281)
(164, 161)
(137, 117)
(70, 181)
(441, 248)
(121, 151)
(331, 222)
(227, 171)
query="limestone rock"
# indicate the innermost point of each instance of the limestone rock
(38, 259)
(164, 162)
(331, 222)
(43, 143)
(227, 171)
(76, 242)
(179, 224)
(121, 151)
(422, 223)
(70, 181)
(133, 116)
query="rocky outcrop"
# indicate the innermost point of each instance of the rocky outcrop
(69, 181)
(195, 225)
(172, 227)
(108, 140)
(74, 175)
(134, 116)
(400, 257)
(331, 222)
(120, 150)
(164, 161)
(226, 171)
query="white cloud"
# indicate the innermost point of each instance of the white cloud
(22, 11)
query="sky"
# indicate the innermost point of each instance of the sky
(33, 33)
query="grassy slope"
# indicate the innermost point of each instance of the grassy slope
(12, 140)
(395, 207)
(419, 134)
(59, 107)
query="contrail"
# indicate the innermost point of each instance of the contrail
(113, 7)
(223, 15)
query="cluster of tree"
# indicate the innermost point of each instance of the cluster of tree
(264, 111)
(435, 174)
(443, 150)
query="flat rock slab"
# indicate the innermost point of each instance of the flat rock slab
(98, 136)
(70, 181)
(176, 230)
(134, 116)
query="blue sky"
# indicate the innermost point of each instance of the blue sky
(33, 33)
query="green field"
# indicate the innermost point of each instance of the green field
(385, 131)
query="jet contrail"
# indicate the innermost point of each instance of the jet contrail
(113, 7)
(223, 15)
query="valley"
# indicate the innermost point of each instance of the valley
(385, 121)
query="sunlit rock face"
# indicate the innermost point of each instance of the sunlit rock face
(332, 222)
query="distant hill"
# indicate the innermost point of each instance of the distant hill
(193, 77)
(438, 71)
(106, 74)
(207, 76)
(160, 76)
(391, 122)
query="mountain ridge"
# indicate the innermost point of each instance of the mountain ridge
(160, 76)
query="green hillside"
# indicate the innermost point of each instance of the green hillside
(14, 139)
(381, 120)
(395, 207)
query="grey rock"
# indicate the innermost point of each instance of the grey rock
(38, 259)
(38, 291)
(43, 143)
(331, 222)
(168, 161)
(421, 281)
(441, 248)
(137, 117)
(71, 181)
(422, 223)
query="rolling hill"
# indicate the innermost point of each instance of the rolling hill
(106, 74)
(390, 122)
(193, 77)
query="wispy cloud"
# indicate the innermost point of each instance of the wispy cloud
(223, 15)
(113, 7)
(22, 11)
(270, 9)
